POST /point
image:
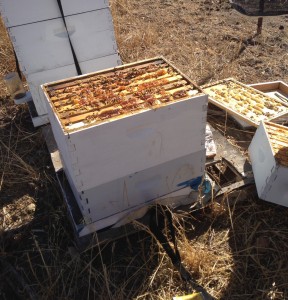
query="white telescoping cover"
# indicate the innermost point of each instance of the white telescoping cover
(92, 34)
(42, 46)
(21, 12)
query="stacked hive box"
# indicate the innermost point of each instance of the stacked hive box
(268, 152)
(127, 136)
(42, 45)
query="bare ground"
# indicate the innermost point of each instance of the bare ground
(236, 248)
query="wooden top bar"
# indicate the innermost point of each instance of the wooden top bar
(106, 95)
(278, 137)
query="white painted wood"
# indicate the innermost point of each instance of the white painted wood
(98, 64)
(277, 189)
(71, 7)
(241, 122)
(271, 179)
(35, 81)
(62, 141)
(92, 34)
(20, 12)
(262, 158)
(40, 120)
(138, 142)
(42, 46)
(106, 222)
(120, 166)
(119, 202)
(179, 197)
(144, 187)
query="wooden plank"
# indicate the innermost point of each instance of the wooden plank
(283, 87)
(68, 105)
(271, 86)
(70, 113)
(59, 83)
(133, 85)
(271, 124)
(234, 186)
(165, 86)
(277, 131)
(94, 79)
(232, 112)
(140, 106)
(266, 86)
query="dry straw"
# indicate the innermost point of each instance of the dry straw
(237, 247)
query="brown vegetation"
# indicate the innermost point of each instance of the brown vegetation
(237, 247)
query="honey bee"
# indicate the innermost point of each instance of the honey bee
(161, 72)
(180, 94)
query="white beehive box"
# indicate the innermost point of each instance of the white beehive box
(268, 153)
(45, 45)
(21, 12)
(41, 42)
(138, 147)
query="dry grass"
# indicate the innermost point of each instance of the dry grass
(7, 63)
(237, 248)
(206, 41)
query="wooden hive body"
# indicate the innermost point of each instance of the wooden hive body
(118, 164)
(268, 152)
